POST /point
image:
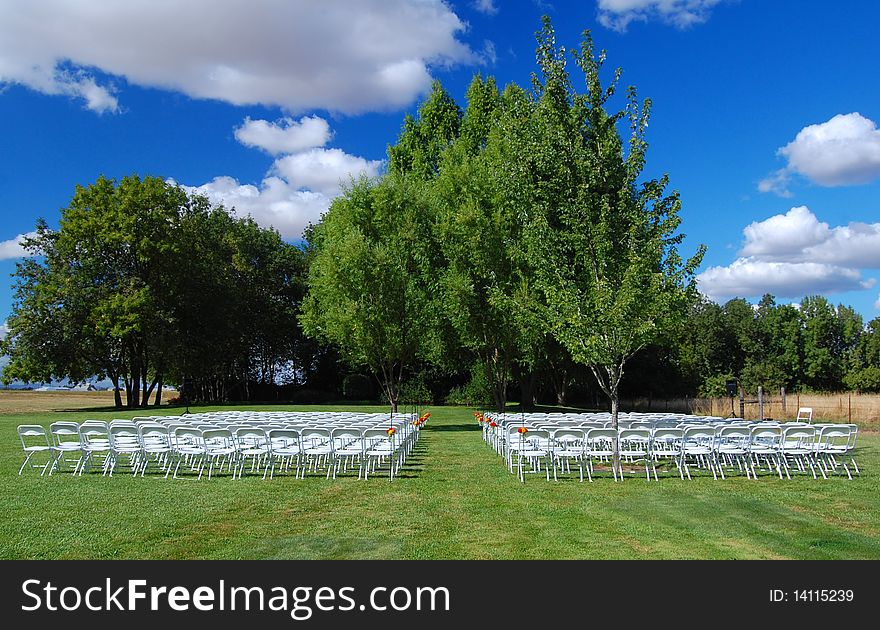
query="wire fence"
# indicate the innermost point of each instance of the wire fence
(862, 409)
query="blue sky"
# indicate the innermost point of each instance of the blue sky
(765, 112)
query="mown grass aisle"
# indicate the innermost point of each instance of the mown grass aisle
(453, 499)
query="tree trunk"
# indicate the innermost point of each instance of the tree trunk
(117, 395)
(615, 404)
(559, 379)
(159, 387)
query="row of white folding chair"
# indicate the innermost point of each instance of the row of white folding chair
(708, 446)
(126, 438)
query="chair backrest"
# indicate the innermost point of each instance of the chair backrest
(595, 437)
(283, 438)
(853, 434)
(64, 432)
(123, 434)
(699, 436)
(154, 435)
(569, 437)
(805, 414)
(766, 434)
(186, 436)
(94, 434)
(253, 436)
(33, 435)
(218, 439)
(835, 437)
(346, 433)
(737, 436)
(668, 434)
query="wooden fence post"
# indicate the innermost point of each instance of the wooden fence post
(760, 402)
(782, 393)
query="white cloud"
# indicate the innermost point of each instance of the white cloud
(322, 170)
(877, 303)
(4, 329)
(284, 136)
(274, 203)
(784, 236)
(300, 186)
(486, 6)
(794, 254)
(12, 248)
(337, 55)
(839, 152)
(776, 182)
(750, 277)
(619, 14)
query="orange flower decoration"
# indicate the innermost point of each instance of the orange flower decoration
(522, 430)
(493, 424)
(391, 431)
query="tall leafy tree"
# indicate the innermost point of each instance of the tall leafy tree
(607, 244)
(94, 287)
(367, 292)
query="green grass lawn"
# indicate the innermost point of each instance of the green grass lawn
(454, 499)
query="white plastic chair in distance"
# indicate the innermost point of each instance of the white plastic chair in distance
(35, 440)
(221, 450)
(189, 448)
(600, 447)
(765, 442)
(124, 442)
(798, 446)
(378, 446)
(155, 442)
(534, 447)
(733, 448)
(94, 437)
(568, 444)
(666, 445)
(805, 414)
(698, 445)
(284, 448)
(65, 441)
(832, 447)
(348, 446)
(251, 443)
(635, 446)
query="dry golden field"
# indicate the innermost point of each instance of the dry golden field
(18, 401)
(863, 409)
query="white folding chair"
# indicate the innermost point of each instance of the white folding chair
(568, 444)
(251, 443)
(635, 445)
(124, 442)
(65, 441)
(805, 414)
(284, 446)
(34, 440)
(600, 447)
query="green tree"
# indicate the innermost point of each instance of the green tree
(94, 287)
(367, 288)
(607, 245)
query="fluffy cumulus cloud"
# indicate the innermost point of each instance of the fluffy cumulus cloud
(619, 14)
(302, 181)
(840, 152)
(347, 56)
(12, 248)
(794, 254)
(284, 136)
